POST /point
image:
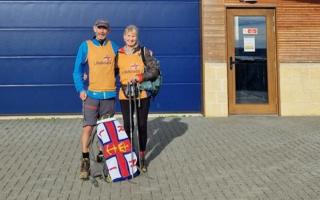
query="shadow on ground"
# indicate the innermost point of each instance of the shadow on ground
(161, 132)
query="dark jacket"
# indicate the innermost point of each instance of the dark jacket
(151, 71)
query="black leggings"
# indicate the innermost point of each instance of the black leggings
(143, 111)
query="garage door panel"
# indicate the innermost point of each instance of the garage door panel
(176, 42)
(75, 13)
(39, 99)
(51, 99)
(180, 69)
(59, 70)
(42, 42)
(173, 41)
(178, 98)
(66, 42)
(16, 71)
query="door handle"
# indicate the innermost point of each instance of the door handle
(231, 62)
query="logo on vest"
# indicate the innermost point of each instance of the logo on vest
(133, 68)
(104, 61)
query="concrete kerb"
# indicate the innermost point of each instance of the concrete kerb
(118, 115)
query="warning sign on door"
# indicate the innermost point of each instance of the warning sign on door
(249, 44)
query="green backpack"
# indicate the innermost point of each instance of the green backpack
(151, 86)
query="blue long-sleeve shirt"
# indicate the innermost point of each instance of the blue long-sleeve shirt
(80, 67)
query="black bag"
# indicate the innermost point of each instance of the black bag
(151, 86)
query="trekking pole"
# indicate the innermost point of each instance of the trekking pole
(130, 113)
(138, 89)
(136, 122)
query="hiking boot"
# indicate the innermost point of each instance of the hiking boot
(143, 165)
(84, 168)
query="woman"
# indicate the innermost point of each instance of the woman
(131, 69)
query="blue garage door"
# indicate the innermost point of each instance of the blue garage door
(39, 41)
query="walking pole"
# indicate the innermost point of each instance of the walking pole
(136, 116)
(130, 113)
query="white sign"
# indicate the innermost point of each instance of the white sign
(250, 31)
(249, 44)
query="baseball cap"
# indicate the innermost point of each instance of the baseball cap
(103, 23)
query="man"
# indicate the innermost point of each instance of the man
(99, 96)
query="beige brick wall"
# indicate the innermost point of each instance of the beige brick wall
(215, 90)
(299, 89)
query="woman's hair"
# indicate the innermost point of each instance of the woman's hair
(131, 28)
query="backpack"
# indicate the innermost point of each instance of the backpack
(151, 86)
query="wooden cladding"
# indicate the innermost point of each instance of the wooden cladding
(298, 31)
(297, 28)
(213, 30)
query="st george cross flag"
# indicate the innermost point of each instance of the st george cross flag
(116, 146)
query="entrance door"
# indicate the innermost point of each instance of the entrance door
(252, 74)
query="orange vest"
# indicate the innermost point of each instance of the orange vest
(101, 67)
(129, 66)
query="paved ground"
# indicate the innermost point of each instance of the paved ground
(234, 158)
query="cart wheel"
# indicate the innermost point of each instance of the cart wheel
(108, 178)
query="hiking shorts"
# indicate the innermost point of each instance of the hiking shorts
(94, 108)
